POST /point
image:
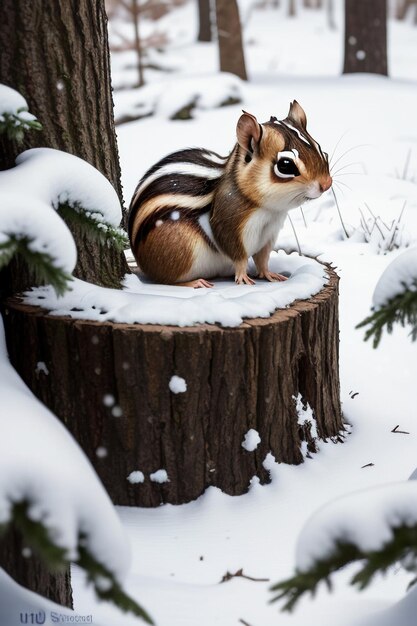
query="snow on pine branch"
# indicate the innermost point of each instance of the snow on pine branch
(44, 185)
(31, 228)
(395, 298)
(50, 491)
(377, 527)
(71, 185)
(15, 118)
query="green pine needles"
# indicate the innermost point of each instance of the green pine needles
(401, 309)
(14, 125)
(105, 584)
(93, 225)
(402, 547)
(42, 265)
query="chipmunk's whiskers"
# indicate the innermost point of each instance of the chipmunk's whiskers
(343, 167)
(362, 145)
(340, 182)
(337, 145)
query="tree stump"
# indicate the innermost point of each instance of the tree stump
(109, 384)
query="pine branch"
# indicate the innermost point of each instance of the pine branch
(105, 584)
(403, 545)
(42, 265)
(107, 588)
(294, 588)
(94, 225)
(14, 125)
(401, 309)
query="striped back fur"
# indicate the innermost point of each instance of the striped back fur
(181, 185)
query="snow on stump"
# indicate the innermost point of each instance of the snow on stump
(162, 410)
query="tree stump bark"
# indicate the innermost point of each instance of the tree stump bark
(56, 586)
(109, 384)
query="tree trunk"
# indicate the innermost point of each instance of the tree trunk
(229, 32)
(204, 20)
(138, 44)
(292, 8)
(403, 7)
(56, 55)
(109, 383)
(366, 37)
(30, 572)
(330, 15)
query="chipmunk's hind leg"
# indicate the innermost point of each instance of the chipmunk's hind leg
(173, 253)
(166, 254)
(198, 283)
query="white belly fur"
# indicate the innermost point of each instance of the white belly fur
(207, 262)
(262, 227)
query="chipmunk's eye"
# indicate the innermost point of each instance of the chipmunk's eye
(286, 168)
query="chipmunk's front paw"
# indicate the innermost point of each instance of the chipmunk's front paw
(272, 276)
(243, 279)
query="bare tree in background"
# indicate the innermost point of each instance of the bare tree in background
(366, 37)
(204, 20)
(330, 15)
(229, 32)
(313, 4)
(292, 8)
(135, 11)
(402, 8)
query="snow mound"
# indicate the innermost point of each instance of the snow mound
(13, 103)
(400, 274)
(57, 177)
(175, 99)
(42, 181)
(41, 464)
(33, 219)
(364, 519)
(226, 303)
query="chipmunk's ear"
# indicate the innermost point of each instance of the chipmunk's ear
(297, 115)
(248, 131)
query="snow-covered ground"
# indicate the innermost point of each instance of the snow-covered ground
(367, 124)
(180, 554)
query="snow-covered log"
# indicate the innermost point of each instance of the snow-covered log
(162, 411)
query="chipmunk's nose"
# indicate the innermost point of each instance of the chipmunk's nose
(325, 183)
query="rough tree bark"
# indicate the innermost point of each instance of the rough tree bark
(366, 37)
(237, 379)
(229, 32)
(56, 55)
(204, 20)
(30, 571)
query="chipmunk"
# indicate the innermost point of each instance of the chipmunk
(196, 215)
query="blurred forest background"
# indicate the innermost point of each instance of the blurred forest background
(154, 39)
(138, 26)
